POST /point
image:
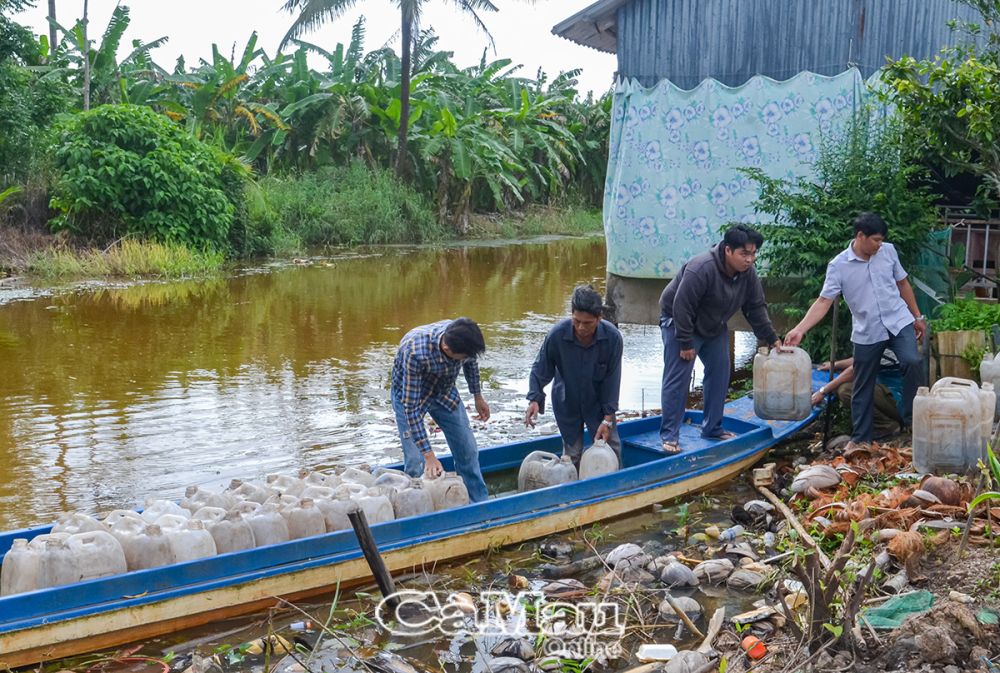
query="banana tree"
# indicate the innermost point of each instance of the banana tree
(82, 57)
(218, 100)
(314, 13)
(328, 113)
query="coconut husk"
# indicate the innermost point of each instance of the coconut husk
(907, 547)
(949, 510)
(854, 511)
(893, 497)
(869, 461)
(898, 518)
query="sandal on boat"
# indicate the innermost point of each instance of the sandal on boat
(723, 436)
(671, 448)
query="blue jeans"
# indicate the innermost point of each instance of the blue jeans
(867, 359)
(714, 354)
(461, 441)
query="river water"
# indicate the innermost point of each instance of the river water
(112, 394)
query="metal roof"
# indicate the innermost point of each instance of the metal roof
(594, 26)
(687, 41)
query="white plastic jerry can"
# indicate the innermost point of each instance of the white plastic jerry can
(986, 397)
(989, 372)
(412, 500)
(21, 565)
(447, 491)
(782, 384)
(597, 460)
(947, 430)
(541, 469)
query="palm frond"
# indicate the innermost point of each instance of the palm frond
(313, 14)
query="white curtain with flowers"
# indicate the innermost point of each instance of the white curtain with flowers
(673, 182)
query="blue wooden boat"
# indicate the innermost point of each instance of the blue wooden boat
(73, 619)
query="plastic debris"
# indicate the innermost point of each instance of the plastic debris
(892, 613)
(655, 652)
(754, 647)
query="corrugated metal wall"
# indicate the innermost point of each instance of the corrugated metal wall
(732, 40)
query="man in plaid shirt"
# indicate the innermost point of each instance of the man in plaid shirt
(423, 381)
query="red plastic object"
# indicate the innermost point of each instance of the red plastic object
(754, 648)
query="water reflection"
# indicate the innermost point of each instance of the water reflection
(110, 395)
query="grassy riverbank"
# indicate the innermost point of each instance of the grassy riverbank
(44, 256)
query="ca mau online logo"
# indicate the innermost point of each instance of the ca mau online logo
(583, 628)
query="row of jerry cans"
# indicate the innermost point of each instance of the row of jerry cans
(206, 523)
(952, 424)
(541, 469)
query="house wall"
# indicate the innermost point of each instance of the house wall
(686, 41)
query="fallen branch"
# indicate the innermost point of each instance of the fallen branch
(794, 522)
(683, 616)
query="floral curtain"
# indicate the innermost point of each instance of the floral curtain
(673, 183)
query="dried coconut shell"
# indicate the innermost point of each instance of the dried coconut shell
(816, 477)
(945, 490)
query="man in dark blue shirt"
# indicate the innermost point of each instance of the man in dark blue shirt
(584, 355)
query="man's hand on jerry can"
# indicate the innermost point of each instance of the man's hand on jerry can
(432, 466)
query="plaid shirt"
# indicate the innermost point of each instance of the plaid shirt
(422, 373)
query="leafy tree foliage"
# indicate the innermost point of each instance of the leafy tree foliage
(811, 221)
(950, 105)
(314, 13)
(483, 138)
(28, 101)
(125, 169)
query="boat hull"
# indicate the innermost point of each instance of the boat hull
(64, 639)
(64, 621)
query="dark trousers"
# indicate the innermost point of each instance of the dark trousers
(714, 354)
(886, 420)
(867, 359)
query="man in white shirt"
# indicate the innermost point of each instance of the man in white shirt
(884, 313)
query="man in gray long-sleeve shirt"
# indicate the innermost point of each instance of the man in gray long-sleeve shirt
(584, 355)
(694, 311)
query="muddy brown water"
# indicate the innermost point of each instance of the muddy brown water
(112, 394)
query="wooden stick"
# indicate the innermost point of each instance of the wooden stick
(968, 521)
(683, 617)
(794, 521)
(880, 599)
(385, 584)
(828, 411)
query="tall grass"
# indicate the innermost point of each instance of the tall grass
(127, 258)
(570, 220)
(340, 206)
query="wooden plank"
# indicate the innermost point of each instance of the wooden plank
(95, 632)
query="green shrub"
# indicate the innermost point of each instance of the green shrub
(965, 314)
(811, 221)
(125, 169)
(341, 206)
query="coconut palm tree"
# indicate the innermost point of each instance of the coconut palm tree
(53, 31)
(314, 13)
